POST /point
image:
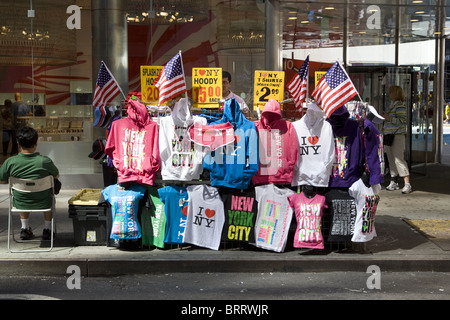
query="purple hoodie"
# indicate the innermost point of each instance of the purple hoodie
(349, 149)
(374, 153)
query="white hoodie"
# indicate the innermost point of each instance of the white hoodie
(181, 160)
(316, 149)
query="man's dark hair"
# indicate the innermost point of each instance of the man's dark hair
(226, 74)
(27, 137)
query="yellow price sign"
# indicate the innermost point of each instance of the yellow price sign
(207, 87)
(149, 93)
(318, 75)
(268, 85)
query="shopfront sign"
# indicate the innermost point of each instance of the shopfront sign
(150, 94)
(206, 87)
(317, 76)
(268, 85)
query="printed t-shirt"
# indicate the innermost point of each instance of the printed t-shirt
(205, 217)
(153, 220)
(241, 209)
(309, 212)
(342, 208)
(175, 201)
(274, 217)
(366, 199)
(124, 210)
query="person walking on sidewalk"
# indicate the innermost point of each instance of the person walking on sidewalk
(29, 164)
(396, 124)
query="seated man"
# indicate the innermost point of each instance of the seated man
(29, 164)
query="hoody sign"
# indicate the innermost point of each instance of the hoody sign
(268, 85)
(148, 90)
(207, 87)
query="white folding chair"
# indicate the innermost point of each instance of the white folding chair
(30, 186)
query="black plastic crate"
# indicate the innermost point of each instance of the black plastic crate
(89, 225)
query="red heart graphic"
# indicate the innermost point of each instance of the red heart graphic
(202, 72)
(210, 213)
(313, 140)
(264, 75)
(184, 211)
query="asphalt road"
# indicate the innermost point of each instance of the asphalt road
(185, 287)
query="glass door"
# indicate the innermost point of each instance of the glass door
(421, 119)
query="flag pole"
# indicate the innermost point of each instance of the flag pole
(345, 71)
(182, 69)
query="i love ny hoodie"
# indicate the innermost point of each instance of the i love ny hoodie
(278, 146)
(234, 164)
(133, 146)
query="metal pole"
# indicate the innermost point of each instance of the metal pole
(110, 40)
(273, 56)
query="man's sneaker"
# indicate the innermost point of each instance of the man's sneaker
(392, 186)
(46, 234)
(26, 234)
(407, 188)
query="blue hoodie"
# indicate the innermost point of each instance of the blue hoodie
(234, 165)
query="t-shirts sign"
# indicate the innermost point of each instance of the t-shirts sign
(149, 93)
(207, 87)
(268, 85)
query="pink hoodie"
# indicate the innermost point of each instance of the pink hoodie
(278, 147)
(133, 146)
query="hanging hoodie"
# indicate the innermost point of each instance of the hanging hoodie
(374, 153)
(180, 158)
(133, 146)
(316, 149)
(349, 149)
(234, 165)
(278, 146)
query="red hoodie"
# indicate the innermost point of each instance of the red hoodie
(133, 146)
(278, 147)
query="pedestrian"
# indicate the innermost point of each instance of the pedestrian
(18, 109)
(8, 126)
(396, 124)
(228, 94)
(447, 112)
(29, 164)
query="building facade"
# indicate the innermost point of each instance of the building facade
(50, 52)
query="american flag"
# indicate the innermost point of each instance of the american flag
(334, 89)
(298, 86)
(106, 88)
(170, 81)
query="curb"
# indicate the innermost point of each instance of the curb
(108, 267)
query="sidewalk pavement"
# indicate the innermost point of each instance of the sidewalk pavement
(397, 247)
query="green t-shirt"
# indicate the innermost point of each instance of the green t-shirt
(153, 220)
(29, 166)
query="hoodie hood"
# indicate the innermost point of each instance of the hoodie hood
(181, 113)
(339, 117)
(313, 115)
(232, 113)
(270, 113)
(138, 114)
